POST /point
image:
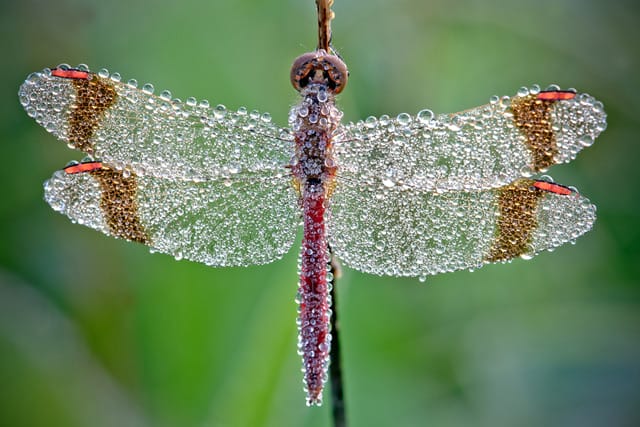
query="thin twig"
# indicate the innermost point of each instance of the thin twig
(325, 15)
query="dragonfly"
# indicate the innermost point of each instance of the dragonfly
(411, 195)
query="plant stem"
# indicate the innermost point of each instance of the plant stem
(335, 368)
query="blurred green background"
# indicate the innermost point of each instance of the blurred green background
(95, 331)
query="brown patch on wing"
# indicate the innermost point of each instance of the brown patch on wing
(94, 96)
(532, 115)
(119, 205)
(517, 202)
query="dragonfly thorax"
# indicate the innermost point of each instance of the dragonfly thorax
(314, 121)
(319, 67)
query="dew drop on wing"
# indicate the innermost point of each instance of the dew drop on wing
(425, 116)
(403, 119)
(585, 140)
(370, 122)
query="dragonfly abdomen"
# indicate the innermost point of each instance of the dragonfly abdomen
(314, 340)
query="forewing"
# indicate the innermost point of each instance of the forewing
(408, 233)
(130, 128)
(218, 223)
(485, 147)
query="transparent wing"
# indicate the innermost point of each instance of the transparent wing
(218, 223)
(130, 128)
(484, 147)
(409, 233)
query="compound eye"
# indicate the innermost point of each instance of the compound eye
(321, 68)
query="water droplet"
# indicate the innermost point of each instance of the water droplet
(388, 183)
(219, 111)
(505, 101)
(322, 96)
(425, 116)
(370, 122)
(453, 127)
(526, 171)
(403, 119)
(148, 88)
(585, 140)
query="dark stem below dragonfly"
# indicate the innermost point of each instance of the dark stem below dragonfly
(335, 367)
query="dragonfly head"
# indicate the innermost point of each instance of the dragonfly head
(321, 68)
